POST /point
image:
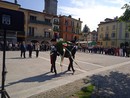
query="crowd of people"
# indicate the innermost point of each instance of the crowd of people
(10, 46)
(123, 51)
(117, 51)
(23, 47)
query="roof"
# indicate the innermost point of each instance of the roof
(10, 3)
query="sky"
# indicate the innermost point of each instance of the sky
(91, 12)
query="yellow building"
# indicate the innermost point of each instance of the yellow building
(38, 26)
(112, 33)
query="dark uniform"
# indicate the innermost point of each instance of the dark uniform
(53, 56)
(23, 49)
(73, 51)
(30, 49)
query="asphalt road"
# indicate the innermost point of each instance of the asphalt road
(29, 76)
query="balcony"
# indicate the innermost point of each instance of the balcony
(56, 29)
(40, 22)
(106, 39)
(56, 23)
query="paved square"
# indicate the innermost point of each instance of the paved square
(30, 76)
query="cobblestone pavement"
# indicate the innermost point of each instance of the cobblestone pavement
(30, 77)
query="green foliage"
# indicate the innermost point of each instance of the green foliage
(59, 46)
(126, 15)
(85, 92)
(86, 29)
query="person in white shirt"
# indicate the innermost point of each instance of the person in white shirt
(37, 49)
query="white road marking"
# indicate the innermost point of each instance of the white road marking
(110, 67)
(102, 68)
(83, 62)
(90, 63)
(62, 64)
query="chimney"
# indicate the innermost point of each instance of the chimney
(15, 1)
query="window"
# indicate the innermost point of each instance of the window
(106, 43)
(66, 22)
(113, 35)
(47, 20)
(101, 43)
(107, 28)
(102, 29)
(66, 29)
(77, 25)
(31, 31)
(113, 27)
(33, 17)
(112, 43)
(101, 35)
(46, 34)
(72, 23)
(126, 35)
(106, 35)
(56, 28)
(56, 21)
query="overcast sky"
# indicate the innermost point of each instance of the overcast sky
(91, 12)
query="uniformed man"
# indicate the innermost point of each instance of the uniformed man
(53, 55)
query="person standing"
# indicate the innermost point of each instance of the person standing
(23, 49)
(53, 55)
(37, 49)
(30, 49)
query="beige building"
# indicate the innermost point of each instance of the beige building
(41, 26)
(38, 26)
(92, 36)
(112, 33)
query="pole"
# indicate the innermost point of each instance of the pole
(3, 92)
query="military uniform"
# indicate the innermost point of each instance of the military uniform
(53, 56)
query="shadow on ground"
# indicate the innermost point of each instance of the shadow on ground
(114, 85)
(39, 78)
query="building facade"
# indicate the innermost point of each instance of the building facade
(70, 28)
(92, 36)
(40, 26)
(112, 33)
(11, 35)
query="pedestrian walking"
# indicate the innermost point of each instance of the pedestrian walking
(37, 49)
(53, 56)
(30, 49)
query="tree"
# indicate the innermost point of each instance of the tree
(126, 15)
(126, 18)
(86, 29)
